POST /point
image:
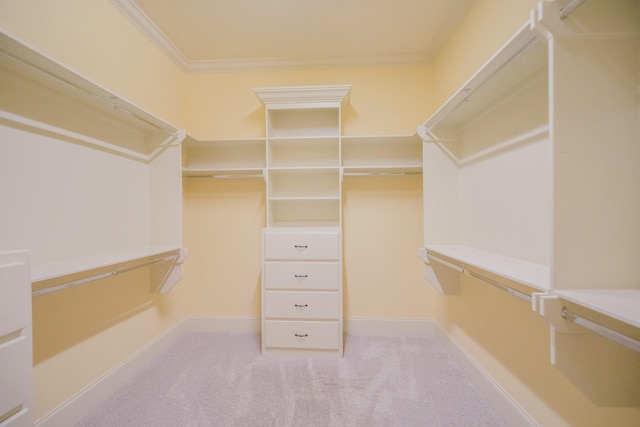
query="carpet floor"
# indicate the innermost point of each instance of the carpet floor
(211, 379)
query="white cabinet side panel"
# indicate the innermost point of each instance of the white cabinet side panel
(440, 186)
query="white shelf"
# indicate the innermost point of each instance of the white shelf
(311, 152)
(521, 57)
(60, 269)
(382, 170)
(77, 125)
(302, 169)
(84, 110)
(303, 198)
(224, 172)
(619, 304)
(380, 155)
(224, 158)
(309, 139)
(529, 274)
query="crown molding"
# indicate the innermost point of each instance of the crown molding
(450, 23)
(140, 19)
(278, 64)
(151, 30)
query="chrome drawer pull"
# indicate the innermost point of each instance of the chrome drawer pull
(300, 276)
(301, 335)
(301, 246)
(301, 305)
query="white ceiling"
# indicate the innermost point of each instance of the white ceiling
(204, 35)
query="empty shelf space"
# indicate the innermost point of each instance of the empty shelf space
(620, 304)
(393, 153)
(533, 275)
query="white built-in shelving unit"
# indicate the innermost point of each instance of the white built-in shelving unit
(531, 183)
(303, 159)
(100, 178)
(487, 170)
(302, 243)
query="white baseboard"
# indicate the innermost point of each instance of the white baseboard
(389, 327)
(512, 413)
(80, 405)
(228, 324)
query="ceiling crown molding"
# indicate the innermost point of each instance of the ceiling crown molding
(151, 30)
(142, 21)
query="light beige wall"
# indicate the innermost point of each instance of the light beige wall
(382, 233)
(82, 333)
(223, 219)
(383, 101)
(487, 25)
(93, 38)
(501, 332)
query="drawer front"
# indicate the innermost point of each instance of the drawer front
(301, 275)
(15, 297)
(303, 335)
(301, 246)
(15, 365)
(302, 305)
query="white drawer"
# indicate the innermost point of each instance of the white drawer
(301, 245)
(15, 366)
(303, 335)
(302, 305)
(301, 275)
(15, 296)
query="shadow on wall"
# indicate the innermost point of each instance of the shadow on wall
(68, 317)
(512, 343)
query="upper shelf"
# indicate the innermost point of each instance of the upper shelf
(246, 157)
(35, 85)
(526, 273)
(619, 304)
(224, 158)
(381, 155)
(522, 56)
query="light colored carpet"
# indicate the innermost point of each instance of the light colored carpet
(222, 380)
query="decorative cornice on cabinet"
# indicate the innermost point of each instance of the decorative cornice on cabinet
(304, 94)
